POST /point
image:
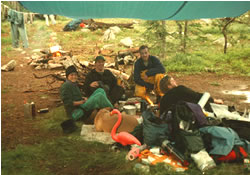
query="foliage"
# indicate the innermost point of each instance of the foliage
(156, 33)
(236, 61)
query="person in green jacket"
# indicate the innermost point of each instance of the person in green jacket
(74, 103)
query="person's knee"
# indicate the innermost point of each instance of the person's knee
(140, 91)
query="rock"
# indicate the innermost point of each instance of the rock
(221, 41)
(108, 35)
(36, 50)
(34, 57)
(9, 66)
(127, 42)
(55, 66)
(85, 30)
(115, 29)
(38, 67)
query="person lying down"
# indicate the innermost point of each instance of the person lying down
(174, 93)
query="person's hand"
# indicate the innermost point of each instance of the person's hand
(218, 101)
(94, 84)
(84, 99)
(149, 86)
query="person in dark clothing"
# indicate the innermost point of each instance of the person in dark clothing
(148, 71)
(103, 78)
(174, 93)
(77, 106)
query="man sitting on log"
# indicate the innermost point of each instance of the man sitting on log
(148, 71)
(103, 78)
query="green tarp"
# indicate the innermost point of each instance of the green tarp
(148, 10)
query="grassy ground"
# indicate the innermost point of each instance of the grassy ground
(69, 154)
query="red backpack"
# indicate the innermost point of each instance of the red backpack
(237, 154)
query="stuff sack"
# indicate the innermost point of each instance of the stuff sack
(189, 142)
(242, 128)
(185, 128)
(72, 25)
(154, 132)
(237, 154)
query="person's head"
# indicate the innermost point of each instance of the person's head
(99, 63)
(167, 83)
(144, 53)
(71, 73)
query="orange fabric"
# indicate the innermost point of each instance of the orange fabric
(140, 91)
(160, 159)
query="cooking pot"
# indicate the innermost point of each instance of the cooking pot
(130, 109)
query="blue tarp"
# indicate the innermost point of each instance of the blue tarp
(148, 10)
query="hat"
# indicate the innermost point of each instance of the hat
(99, 58)
(70, 70)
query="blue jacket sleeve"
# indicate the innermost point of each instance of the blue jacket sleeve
(156, 67)
(137, 74)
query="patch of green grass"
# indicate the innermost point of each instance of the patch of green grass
(53, 119)
(72, 155)
(6, 40)
(6, 51)
(65, 155)
(215, 83)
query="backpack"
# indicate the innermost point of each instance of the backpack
(72, 25)
(237, 154)
(185, 129)
(154, 130)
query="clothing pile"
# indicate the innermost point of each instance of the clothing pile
(194, 137)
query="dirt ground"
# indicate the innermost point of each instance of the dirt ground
(19, 85)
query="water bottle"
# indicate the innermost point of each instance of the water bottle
(33, 109)
(167, 146)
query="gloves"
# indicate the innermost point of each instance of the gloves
(149, 86)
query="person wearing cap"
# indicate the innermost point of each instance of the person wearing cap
(76, 106)
(174, 93)
(103, 78)
(148, 71)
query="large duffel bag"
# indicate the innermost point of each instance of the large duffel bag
(242, 128)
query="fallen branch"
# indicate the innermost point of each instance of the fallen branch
(119, 73)
(93, 25)
(58, 77)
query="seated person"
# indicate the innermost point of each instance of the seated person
(174, 93)
(148, 71)
(103, 78)
(75, 104)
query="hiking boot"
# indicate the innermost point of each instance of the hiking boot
(68, 126)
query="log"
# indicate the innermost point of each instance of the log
(93, 25)
(119, 73)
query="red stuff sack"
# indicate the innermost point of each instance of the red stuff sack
(237, 154)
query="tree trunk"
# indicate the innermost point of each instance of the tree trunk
(229, 20)
(185, 36)
(180, 35)
(164, 41)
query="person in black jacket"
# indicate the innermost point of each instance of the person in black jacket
(174, 93)
(148, 71)
(103, 78)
